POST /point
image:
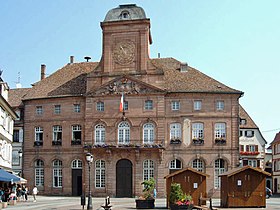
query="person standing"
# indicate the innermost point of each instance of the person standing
(35, 192)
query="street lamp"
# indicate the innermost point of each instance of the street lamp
(89, 158)
(20, 162)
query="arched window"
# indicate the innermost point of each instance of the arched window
(99, 134)
(100, 173)
(175, 165)
(148, 133)
(57, 173)
(220, 167)
(77, 164)
(39, 172)
(148, 169)
(198, 165)
(123, 133)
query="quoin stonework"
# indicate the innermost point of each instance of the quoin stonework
(173, 116)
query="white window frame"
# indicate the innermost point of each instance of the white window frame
(100, 174)
(39, 172)
(197, 130)
(100, 106)
(39, 134)
(57, 109)
(99, 134)
(76, 128)
(57, 133)
(175, 105)
(57, 173)
(174, 164)
(148, 133)
(175, 131)
(219, 168)
(39, 110)
(123, 133)
(77, 164)
(77, 108)
(220, 105)
(198, 164)
(149, 105)
(197, 105)
(148, 169)
(220, 130)
(253, 163)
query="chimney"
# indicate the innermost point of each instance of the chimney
(43, 71)
(87, 58)
(184, 67)
(71, 59)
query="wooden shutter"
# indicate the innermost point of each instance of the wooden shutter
(247, 148)
(256, 148)
(241, 148)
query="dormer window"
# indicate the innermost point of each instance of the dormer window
(124, 15)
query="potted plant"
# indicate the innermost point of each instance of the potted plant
(178, 199)
(147, 200)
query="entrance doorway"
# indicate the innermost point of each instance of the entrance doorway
(124, 178)
(77, 178)
(275, 185)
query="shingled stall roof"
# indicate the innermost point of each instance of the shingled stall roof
(276, 139)
(185, 169)
(70, 80)
(15, 96)
(238, 170)
(244, 115)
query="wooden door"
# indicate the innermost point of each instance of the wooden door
(124, 178)
(77, 182)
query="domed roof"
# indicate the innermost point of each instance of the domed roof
(125, 12)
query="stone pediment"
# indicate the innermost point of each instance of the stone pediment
(127, 86)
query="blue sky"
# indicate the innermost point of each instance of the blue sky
(235, 42)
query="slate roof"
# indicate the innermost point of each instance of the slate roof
(15, 96)
(70, 80)
(249, 122)
(276, 139)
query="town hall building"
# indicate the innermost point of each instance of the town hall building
(172, 116)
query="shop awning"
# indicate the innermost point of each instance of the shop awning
(7, 177)
(21, 181)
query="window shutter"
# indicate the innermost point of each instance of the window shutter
(246, 133)
(245, 162)
(247, 148)
(258, 163)
(256, 148)
(241, 148)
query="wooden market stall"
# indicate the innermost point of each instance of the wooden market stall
(243, 187)
(192, 182)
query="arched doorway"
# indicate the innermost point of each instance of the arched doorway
(124, 178)
(77, 180)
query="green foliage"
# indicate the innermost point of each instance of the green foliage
(177, 194)
(149, 186)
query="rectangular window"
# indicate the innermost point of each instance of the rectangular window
(16, 136)
(39, 176)
(39, 110)
(249, 133)
(197, 105)
(77, 108)
(57, 133)
(76, 133)
(125, 106)
(175, 131)
(220, 131)
(15, 158)
(148, 105)
(39, 134)
(57, 109)
(197, 131)
(220, 105)
(175, 105)
(240, 133)
(100, 106)
(57, 177)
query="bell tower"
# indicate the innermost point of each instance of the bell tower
(126, 40)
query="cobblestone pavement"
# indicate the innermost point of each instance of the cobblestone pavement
(73, 203)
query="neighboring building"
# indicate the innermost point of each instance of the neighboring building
(268, 166)
(173, 117)
(14, 99)
(275, 144)
(7, 116)
(252, 143)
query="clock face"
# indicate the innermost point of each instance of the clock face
(124, 52)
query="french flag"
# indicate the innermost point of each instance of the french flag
(122, 103)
